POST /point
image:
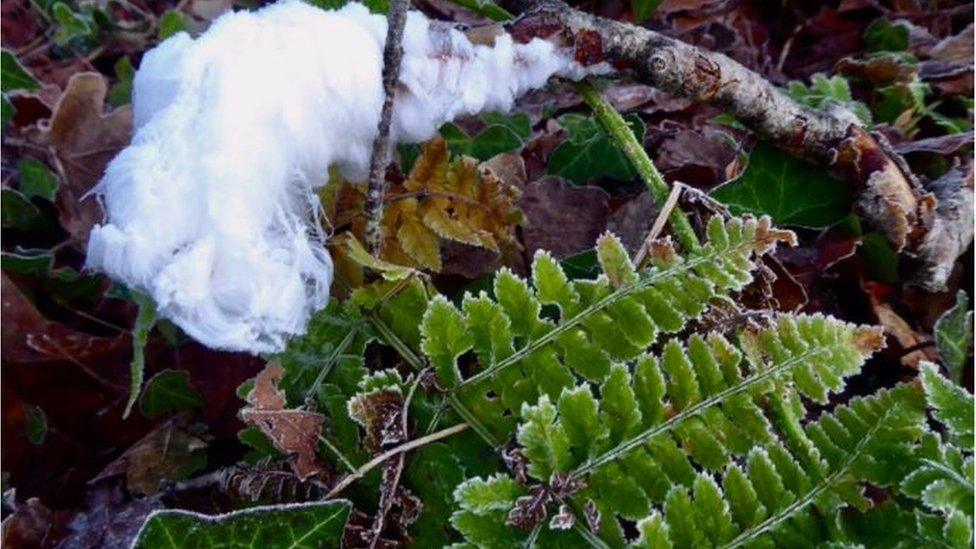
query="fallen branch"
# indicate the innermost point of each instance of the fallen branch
(380, 159)
(891, 198)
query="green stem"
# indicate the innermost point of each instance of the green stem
(624, 137)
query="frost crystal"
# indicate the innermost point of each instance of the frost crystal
(211, 209)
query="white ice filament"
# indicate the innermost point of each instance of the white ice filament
(210, 209)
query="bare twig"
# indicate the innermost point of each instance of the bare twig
(658, 226)
(405, 447)
(890, 199)
(392, 54)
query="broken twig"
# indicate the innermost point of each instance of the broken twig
(392, 55)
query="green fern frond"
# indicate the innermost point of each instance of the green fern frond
(661, 431)
(943, 478)
(772, 501)
(538, 339)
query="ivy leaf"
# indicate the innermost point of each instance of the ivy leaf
(882, 35)
(954, 336)
(170, 23)
(495, 139)
(788, 190)
(311, 525)
(168, 391)
(13, 76)
(121, 92)
(36, 179)
(589, 152)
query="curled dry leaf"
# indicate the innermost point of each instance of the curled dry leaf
(84, 140)
(293, 432)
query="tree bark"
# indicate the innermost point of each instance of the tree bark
(891, 199)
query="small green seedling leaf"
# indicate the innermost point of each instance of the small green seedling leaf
(170, 23)
(952, 404)
(145, 320)
(788, 190)
(823, 93)
(168, 391)
(311, 525)
(954, 336)
(121, 92)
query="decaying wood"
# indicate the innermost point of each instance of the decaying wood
(930, 235)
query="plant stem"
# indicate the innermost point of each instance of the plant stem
(392, 55)
(633, 149)
(405, 447)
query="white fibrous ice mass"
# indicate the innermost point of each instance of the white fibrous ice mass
(211, 209)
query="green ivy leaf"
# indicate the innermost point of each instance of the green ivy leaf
(121, 92)
(789, 190)
(170, 23)
(589, 152)
(13, 76)
(311, 525)
(882, 35)
(36, 179)
(495, 139)
(168, 391)
(954, 336)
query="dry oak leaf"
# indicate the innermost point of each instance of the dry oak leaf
(84, 139)
(293, 432)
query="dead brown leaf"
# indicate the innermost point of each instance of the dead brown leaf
(293, 432)
(162, 454)
(84, 140)
(562, 218)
